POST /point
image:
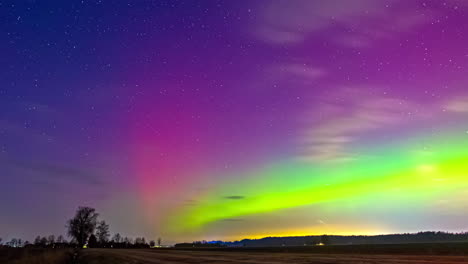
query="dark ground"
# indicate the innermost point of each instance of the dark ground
(36, 256)
(437, 253)
(454, 248)
(135, 256)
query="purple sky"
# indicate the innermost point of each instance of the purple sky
(139, 107)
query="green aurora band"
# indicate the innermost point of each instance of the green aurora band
(421, 172)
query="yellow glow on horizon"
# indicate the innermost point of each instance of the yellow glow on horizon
(329, 229)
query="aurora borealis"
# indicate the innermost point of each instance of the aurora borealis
(200, 120)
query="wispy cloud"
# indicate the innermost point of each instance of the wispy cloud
(347, 119)
(358, 22)
(51, 172)
(295, 73)
(459, 105)
(234, 197)
(233, 219)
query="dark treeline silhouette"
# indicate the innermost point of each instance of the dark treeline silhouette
(93, 242)
(421, 237)
(202, 244)
(40, 242)
(85, 230)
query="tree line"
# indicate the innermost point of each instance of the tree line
(84, 230)
(406, 238)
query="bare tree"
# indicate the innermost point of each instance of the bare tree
(102, 232)
(1, 240)
(73, 242)
(43, 242)
(138, 241)
(92, 241)
(82, 225)
(37, 241)
(60, 239)
(14, 242)
(128, 240)
(51, 240)
(159, 241)
(117, 238)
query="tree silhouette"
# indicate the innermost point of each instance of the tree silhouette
(51, 240)
(43, 242)
(37, 241)
(140, 241)
(159, 241)
(82, 225)
(92, 241)
(1, 240)
(14, 242)
(73, 242)
(117, 238)
(102, 232)
(152, 243)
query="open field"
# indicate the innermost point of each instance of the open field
(135, 256)
(448, 248)
(440, 253)
(35, 256)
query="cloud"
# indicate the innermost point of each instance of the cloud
(49, 172)
(348, 119)
(233, 219)
(235, 197)
(189, 202)
(289, 22)
(458, 105)
(354, 24)
(295, 73)
(354, 113)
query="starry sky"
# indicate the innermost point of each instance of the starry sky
(197, 120)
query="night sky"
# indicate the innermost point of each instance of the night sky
(197, 120)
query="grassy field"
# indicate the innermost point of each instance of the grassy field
(437, 253)
(455, 248)
(136, 256)
(35, 256)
